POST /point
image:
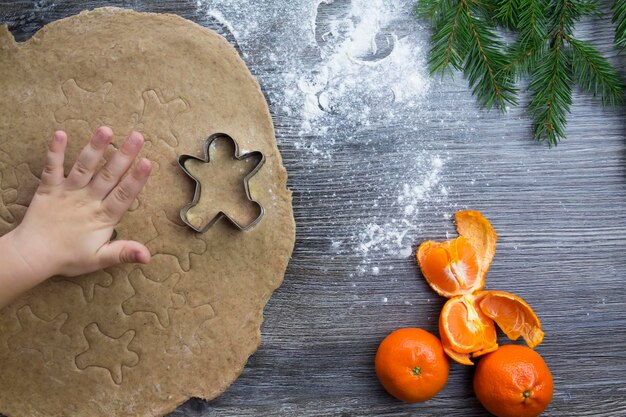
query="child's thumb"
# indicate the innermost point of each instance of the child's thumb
(123, 252)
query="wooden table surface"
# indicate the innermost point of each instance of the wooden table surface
(560, 214)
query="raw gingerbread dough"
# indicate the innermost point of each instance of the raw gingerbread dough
(137, 340)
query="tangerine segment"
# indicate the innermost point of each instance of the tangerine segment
(512, 315)
(466, 327)
(480, 234)
(450, 268)
(462, 358)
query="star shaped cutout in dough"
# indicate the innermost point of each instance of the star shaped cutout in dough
(158, 116)
(222, 189)
(153, 297)
(174, 240)
(40, 335)
(185, 324)
(82, 104)
(106, 352)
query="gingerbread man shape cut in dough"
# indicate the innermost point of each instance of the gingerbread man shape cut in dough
(222, 190)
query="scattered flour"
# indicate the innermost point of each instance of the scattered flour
(219, 17)
(394, 237)
(353, 67)
(337, 71)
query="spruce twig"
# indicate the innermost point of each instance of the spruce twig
(595, 74)
(551, 85)
(465, 38)
(568, 59)
(446, 49)
(619, 18)
(485, 60)
(551, 89)
(525, 52)
(507, 13)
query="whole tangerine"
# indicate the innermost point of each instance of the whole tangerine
(411, 365)
(513, 381)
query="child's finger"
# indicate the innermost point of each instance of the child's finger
(89, 158)
(113, 171)
(53, 169)
(122, 252)
(122, 196)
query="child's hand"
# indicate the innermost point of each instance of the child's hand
(69, 223)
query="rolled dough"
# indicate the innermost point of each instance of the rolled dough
(137, 340)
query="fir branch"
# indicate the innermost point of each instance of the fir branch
(619, 18)
(508, 12)
(525, 52)
(445, 52)
(532, 21)
(485, 60)
(428, 9)
(576, 9)
(465, 38)
(594, 72)
(551, 89)
(522, 58)
(551, 84)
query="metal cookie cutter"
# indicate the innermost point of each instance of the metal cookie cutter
(196, 197)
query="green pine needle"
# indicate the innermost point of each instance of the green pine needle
(595, 75)
(508, 12)
(619, 18)
(551, 89)
(545, 50)
(463, 40)
(532, 21)
(484, 60)
(446, 50)
(428, 9)
(525, 53)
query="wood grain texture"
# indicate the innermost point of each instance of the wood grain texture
(560, 214)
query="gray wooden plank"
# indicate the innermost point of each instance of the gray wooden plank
(560, 214)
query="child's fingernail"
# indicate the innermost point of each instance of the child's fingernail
(135, 139)
(103, 134)
(59, 136)
(144, 165)
(140, 257)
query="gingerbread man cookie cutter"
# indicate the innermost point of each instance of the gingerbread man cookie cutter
(198, 189)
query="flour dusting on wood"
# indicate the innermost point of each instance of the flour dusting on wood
(368, 71)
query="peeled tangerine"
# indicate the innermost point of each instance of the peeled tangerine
(456, 269)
